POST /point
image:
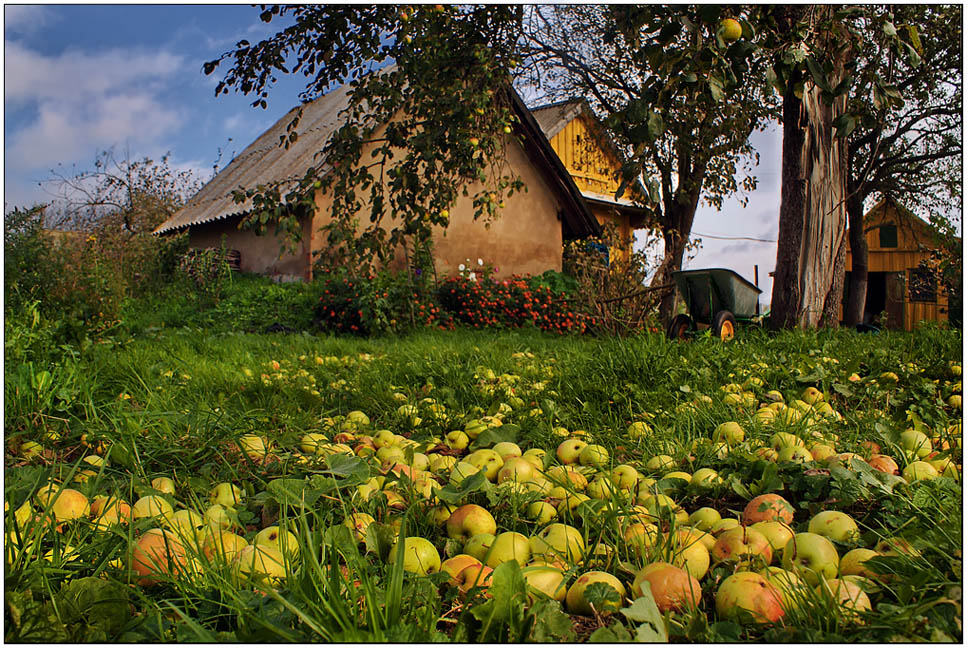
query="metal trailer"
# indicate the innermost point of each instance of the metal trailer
(714, 297)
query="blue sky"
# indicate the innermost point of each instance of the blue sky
(84, 78)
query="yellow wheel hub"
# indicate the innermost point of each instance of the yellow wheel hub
(727, 332)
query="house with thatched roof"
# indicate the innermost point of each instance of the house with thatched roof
(527, 238)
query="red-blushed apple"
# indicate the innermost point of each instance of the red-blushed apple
(569, 450)
(789, 585)
(743, 545)
(157, 554)
(68, 505)
(811, 556)
(884, 463)
(745, 596)
(854, 563)
(456, 564)
(419, 556)
(578, 604)
(673, 588)
(474, 576)
(506, 450)
(768, 507)
(470, 520)
(836, 526)
(569, 478)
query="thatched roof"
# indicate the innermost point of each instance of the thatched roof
(265, 161)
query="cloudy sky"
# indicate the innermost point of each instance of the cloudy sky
(81, 79)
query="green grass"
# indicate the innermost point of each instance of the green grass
(169, 400)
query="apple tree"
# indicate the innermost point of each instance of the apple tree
(428, 87)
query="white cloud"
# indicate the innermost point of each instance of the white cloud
(78, 102)
(26, 19)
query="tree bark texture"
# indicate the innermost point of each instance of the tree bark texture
(860, 257)
(676, 228)
(812, 214)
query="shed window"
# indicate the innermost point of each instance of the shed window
(923, 285)
(888, 238)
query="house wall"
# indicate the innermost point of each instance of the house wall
(526, 238)
(259, 254)
(914, 241)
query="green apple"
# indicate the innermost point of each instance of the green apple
(311, 441)
(747, 596)
(226, 494)
(811, 395)
(535, 456)
(913, 442)
(419, 555)
(777, 533)
(148, 506)
(660, 463)
(164, 485)
(577, 603)
(638, 430)
(836, 526)
(705, 477)
(516, 469)
(474, 427)
(812, 556)
(461, 471)
(487, 460)
(848, 595)
(509, 546)
(218, 543)
(253, 446)
(187, 524)
(470, 520)
(690, 551)
(457, 439)
(558, 541)
(283, 540)
(478, 546)
(743, 545)
(624, 476)
(594, 455)
(546, 580)
(569, 450)
(705, 518)
(264, 565)
(541, 512)
(920, 470)
(797, 454)
(724, 525)
(506, 450)
(358, 417)
(854, 563)
(729, 432)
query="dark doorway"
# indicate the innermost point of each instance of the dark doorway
(875, 299)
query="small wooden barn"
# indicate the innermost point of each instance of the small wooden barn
(898, 241)
(527, 238)
(593, 161)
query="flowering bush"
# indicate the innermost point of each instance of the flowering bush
(509, 303)
(387, 302)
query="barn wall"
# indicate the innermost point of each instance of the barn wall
(525, 238)
(913, 242)
(258, 254)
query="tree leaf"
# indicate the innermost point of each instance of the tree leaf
(818, 74)
(454, 494)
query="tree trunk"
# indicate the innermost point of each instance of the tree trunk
(859, 254)
(834, 298)
(676, 229)
(785, 285)
(672, 261)
(812, 214)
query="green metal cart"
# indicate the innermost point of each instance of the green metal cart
(715, 298)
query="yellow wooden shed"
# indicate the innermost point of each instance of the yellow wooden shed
(898, 242)
(593, 161)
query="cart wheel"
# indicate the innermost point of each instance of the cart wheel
(723, 325)
(679, 327)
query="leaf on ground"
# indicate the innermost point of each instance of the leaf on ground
(551, 624)
(454, 494)
(644, 610)
(611, 634)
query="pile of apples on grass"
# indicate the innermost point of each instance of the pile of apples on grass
(772, 563)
